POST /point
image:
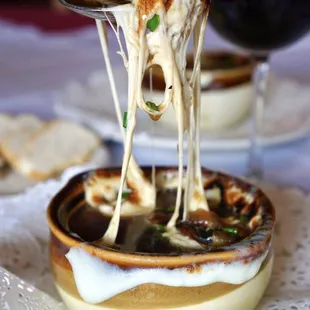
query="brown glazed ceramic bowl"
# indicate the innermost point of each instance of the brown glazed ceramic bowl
(226, 89)
(233, 277)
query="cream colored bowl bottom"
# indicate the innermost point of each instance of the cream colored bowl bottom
(246, 297)
(220, 109)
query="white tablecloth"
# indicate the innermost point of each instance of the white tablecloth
(33, 66)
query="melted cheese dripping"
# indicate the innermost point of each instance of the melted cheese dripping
(135, 175)
(198, 199)
(152, 128)
(167, 48)
(194, 197)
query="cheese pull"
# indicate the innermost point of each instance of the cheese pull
(156, 33)
(138, 196)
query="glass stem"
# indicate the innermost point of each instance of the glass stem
(260, 81)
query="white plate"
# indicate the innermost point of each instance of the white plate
(287, 115)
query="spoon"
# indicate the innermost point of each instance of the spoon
(93, 8)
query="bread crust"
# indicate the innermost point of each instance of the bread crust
(16, 153)
(35, 173)
(16, 130)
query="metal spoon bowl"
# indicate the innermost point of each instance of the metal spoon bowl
(92, 8)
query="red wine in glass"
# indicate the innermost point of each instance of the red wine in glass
(260, 27)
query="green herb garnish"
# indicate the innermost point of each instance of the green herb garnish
(125, 120)
(243, 218)
(228, 61)
(125, 194)
(161, 228)
(153, 23)
(152, 105)
(231, 230)
(166, 209)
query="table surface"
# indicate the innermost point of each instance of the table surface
(35, 65)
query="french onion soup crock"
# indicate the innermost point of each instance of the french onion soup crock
(209, 260)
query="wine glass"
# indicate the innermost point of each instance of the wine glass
(260, 27)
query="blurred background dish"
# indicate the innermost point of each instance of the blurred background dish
(33, 150)
(226, 89)
(90, 103)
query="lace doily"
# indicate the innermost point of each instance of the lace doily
(16, 294)
(24, 239)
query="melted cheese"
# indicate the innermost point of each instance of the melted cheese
(135, 177)
(101, 192)
(92, 288)
(179, 240)
(166, 47)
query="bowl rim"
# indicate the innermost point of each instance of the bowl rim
(239, 75)
(258, 241)
(217, 52)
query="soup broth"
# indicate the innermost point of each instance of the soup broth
(223, 225)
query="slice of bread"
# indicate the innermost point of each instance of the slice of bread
(60, 145)
(2, 161)
(21, 131)
(6, 124)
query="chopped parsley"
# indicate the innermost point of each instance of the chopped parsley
(152, 106)
(161, 228)
(125, 120)
(126, 194)
(231, 230)
(153, 23)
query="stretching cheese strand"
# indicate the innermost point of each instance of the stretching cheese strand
(199, 199)
(166, 47)
(134, 170)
